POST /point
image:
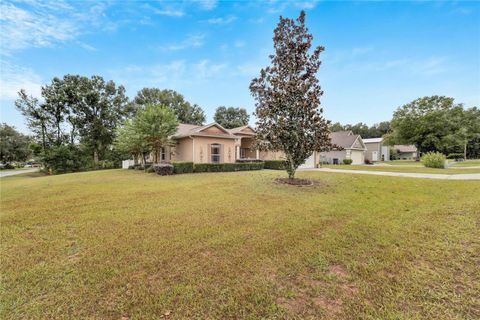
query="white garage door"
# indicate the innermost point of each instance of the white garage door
(358, 157)
(309, 163)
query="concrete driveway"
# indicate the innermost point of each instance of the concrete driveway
(15, 172)
(463, 176)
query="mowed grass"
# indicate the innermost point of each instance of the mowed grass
(466, 163)
(406, 169)
(123, 244)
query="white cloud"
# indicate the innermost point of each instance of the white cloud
(13, 78)
(169, 12)
(32, 23)
(192, 41)
(177, 73)
(207, 4)
(222, 20)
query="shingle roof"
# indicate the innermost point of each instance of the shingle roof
(185, 130)
(239, 129)
(344, 139)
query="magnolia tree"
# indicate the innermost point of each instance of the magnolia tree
(287, 94)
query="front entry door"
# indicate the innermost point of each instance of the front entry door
(374, 155)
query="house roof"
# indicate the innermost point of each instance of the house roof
(242, 130)
(345, 139)
(372, 140)
(405, 148)
(186, 130)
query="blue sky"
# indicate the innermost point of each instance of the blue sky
(379, 55)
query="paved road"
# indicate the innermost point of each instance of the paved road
(15, 172)
(463, 176)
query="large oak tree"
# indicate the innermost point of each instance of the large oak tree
(287, 94)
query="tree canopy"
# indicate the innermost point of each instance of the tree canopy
(14, 146)
(287, 94)
(376, 131)
(231, 117)
(75, 109)
(434, 123)
(185, 111)
(156, 124)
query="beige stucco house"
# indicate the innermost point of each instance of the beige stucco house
(213, 144)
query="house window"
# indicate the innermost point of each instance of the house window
(162, 154)
(215, 153)
(243, 153)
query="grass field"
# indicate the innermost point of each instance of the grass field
(466, 163)
(405, 163)
(395, 168)
(122, 244)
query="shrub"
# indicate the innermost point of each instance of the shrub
(249, 160)
(66, 158)
(163, 169)
(9, 166)
(182, 167)
(131, 167)
(149, 169)
(434, 160)
(347, 161)
(367, 161)
(275, 164)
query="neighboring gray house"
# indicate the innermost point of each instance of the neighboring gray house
(405, 152)
(376, 151)
(352, 148)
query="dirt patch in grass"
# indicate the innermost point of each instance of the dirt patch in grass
(295, 182)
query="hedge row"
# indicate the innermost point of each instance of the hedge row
(227, 167)
(179, 167)
(182, 167)
(275, 164)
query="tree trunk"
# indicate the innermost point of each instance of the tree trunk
(290, 168)
(465, 151)
(95, 155)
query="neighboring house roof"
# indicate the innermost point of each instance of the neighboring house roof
(346, 140)
(188, 130)
(405, 148)
(373, 140)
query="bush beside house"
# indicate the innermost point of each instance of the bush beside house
(275, 164)
(347, 161)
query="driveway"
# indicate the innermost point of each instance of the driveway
(463, 176)
(15, 172)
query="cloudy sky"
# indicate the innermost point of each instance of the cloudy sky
(378, 55)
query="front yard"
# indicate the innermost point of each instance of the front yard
(122, 244)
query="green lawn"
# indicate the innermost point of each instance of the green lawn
(466, 163)
(123, 244)
(405, 163)
(403, 169)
